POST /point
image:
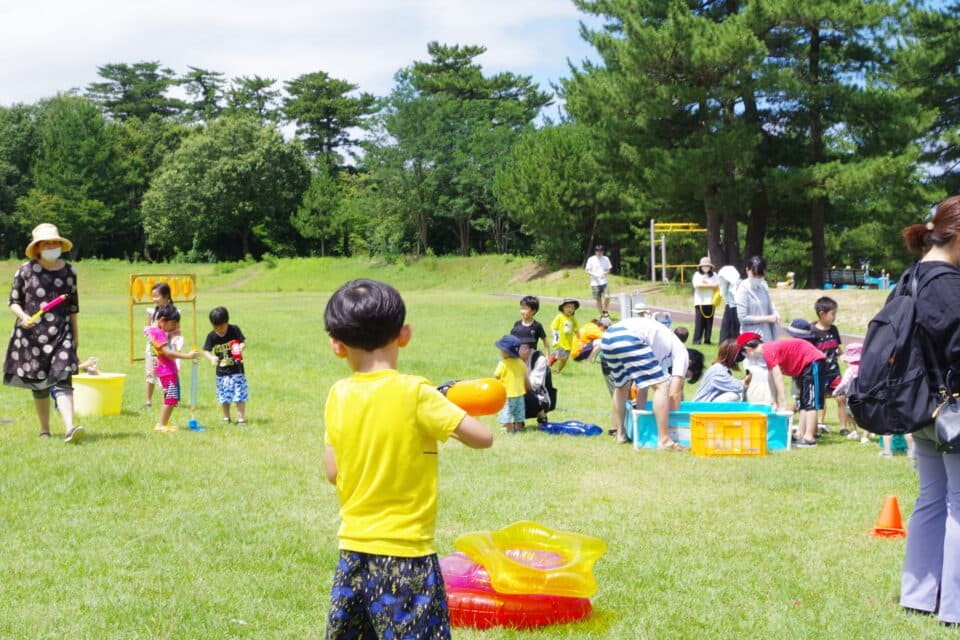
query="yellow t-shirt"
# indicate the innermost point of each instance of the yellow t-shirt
(384, 428)
(512, 372)
(564, 327)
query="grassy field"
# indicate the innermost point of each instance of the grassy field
(231, 533)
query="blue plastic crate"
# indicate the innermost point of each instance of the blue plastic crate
(642, 428)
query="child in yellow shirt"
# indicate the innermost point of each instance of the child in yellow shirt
(512, 372)
(564, 328)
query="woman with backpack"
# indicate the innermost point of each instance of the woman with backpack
(931, 568)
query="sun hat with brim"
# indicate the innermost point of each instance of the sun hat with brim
(509, 344)
(705, 262)
(851, 354)
(573, 301)
(800, 328)
(46, 232)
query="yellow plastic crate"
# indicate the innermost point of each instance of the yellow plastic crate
(728, 434)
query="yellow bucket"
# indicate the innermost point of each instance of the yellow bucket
(99, 395)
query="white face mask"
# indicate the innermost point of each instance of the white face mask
(51, 254)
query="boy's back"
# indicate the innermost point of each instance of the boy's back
(384, 427)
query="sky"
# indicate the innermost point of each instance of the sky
(57, 45)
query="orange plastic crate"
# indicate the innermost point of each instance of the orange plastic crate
(728, 434)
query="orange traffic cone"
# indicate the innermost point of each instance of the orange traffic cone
(889, 524)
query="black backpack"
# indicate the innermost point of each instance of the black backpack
(547, 383)
(893, 392)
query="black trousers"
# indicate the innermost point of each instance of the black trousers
(730, 325)
(702, 326)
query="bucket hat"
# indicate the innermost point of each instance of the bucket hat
(851, 354)
(573, 301)
(705, 262)
(510, 344)
(800, 328)
(42, 232)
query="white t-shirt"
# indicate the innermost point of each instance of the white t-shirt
(729, 279)
(598, 267)
(703, 287)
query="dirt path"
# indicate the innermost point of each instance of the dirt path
(238, 283)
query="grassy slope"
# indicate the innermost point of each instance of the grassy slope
(232, 533)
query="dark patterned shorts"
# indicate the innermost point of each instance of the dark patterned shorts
(377, 597)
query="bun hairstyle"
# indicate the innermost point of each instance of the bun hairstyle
(938, 231)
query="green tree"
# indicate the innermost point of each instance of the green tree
(438, 140)
(78, 175)
(552, 185)
(227, 191)
(254, 95)
(205, 89)
(325, 113)
(19, 144)
(135, 90)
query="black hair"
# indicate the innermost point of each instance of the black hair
(163, 289)
(219, 315)
(532, 302)
(695, 366)
(365, 314)
(824, 305)
(168, 312)
(757, 265)
(682, 332)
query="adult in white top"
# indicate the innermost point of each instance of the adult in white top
(705, 283)
(729, 279)
(598, 266)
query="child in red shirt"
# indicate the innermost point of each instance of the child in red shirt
(801, 360)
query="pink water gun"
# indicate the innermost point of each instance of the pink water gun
(236, 352)
(47, 306)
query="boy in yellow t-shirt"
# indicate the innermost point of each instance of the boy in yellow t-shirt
(512, 372)
(382, 433)
(564, 328)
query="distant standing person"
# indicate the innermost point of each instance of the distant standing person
(42, 354)
(598, 266)
(729, 279)
(755, 309)
(705, 284)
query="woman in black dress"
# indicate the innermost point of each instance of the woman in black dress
(42, 353)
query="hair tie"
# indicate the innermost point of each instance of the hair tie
(930, 226)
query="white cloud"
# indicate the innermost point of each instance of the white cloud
(53, 46)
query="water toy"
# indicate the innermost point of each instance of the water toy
(572, 427)
(47, 306)
(193, 425)
(472, 601)
(528, 558)
(236, 352)
(480, 397)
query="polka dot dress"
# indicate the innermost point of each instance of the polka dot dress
(44, 354)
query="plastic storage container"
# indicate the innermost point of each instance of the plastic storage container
(99, 395)
(642, 428)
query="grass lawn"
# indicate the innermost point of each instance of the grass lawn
(232, 533)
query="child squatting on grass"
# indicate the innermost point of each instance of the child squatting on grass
(223, 348)
(382, 434)
(167, 322)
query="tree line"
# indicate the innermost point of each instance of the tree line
(807, 132)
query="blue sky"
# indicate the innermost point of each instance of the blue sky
(52, 46)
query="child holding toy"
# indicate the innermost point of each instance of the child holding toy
(564, 327)
(527, 329)
(160, 293)
(382, 433)
(167, 322)
(223, 348)
(512, 372)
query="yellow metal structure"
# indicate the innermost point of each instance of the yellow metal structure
(183, 290)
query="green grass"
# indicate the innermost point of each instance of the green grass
(232, 533)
